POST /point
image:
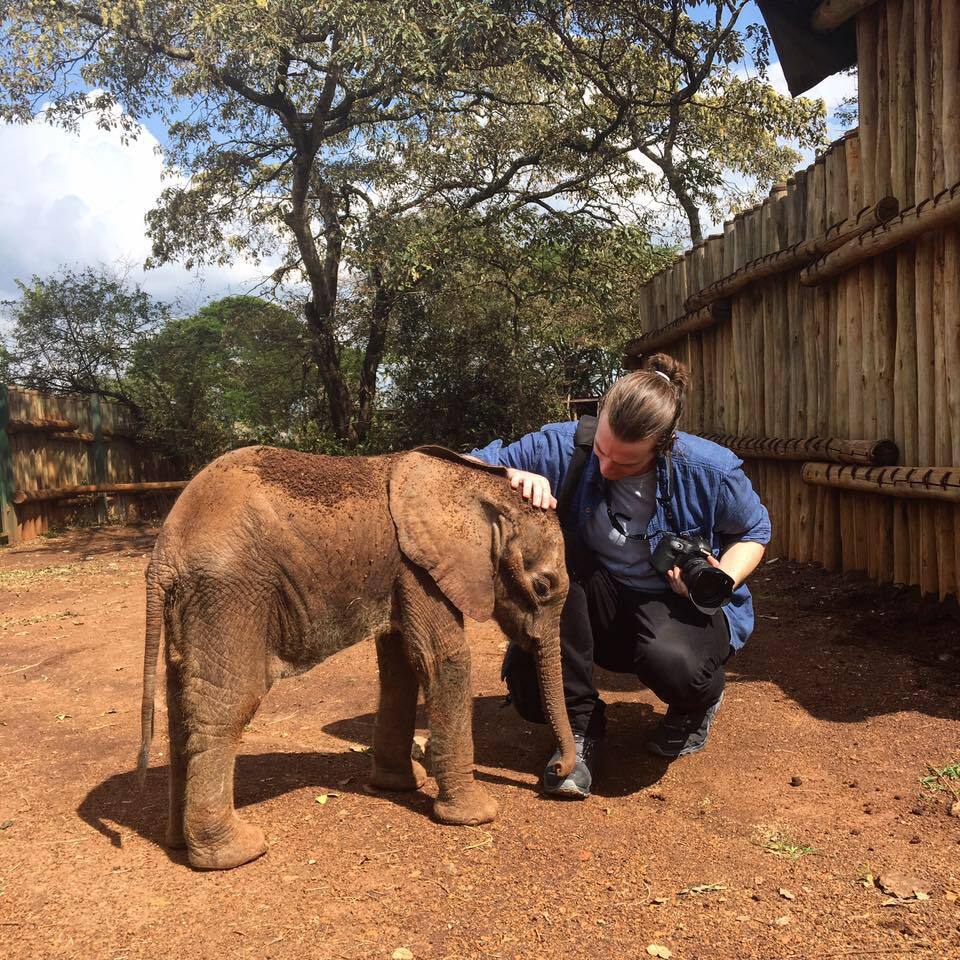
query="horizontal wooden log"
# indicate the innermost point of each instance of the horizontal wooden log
(871, 452)
(798, 255)
(708, 316)
(15, 425)
(911, 483)
(76, 436)
(834, 13)
(927, 216)
(61, 493)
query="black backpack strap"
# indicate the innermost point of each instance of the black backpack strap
(582, 448)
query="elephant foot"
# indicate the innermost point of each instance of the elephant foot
(469, 808)
(412, 777)
(243, 843)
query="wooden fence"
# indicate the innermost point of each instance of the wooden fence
(69, 459)
(830, 315)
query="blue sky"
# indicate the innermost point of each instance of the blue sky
(80, 199)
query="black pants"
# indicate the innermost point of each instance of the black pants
(673, 648)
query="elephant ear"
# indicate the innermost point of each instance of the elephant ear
(442, 508)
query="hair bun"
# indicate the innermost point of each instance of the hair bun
(675, 371)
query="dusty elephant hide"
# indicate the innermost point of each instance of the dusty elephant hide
(272, 560)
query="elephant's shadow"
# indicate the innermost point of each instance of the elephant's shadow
(503, 742)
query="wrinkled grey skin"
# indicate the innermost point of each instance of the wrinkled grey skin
(273, 560)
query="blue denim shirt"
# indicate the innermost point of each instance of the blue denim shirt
(712, 496)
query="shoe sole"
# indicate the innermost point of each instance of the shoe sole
(653, 748)
(570, 794)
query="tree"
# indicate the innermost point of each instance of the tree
(285, 122)
(321, 128)
(674, 89)
(515, 323)
(77, 331)
(238, 371)
(6, 365)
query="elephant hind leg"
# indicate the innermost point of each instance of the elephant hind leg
(393, 767)
(217, 839)
(223, 680)
(178, 754)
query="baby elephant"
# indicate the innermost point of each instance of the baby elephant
(273, 560)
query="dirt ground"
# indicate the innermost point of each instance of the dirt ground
(833, 712)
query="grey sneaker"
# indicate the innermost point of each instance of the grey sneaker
(577, 785)
(680, 734)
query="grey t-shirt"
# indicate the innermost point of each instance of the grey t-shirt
(633, 500)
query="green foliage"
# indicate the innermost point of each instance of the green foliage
(76, 331)
(782, 845)
(508, 328)
(939, 776)
(6, 365)
(331, 132)
(238, 371)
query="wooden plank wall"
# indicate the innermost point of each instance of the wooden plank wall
(43, 459)
(873, 353)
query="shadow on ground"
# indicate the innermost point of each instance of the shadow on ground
(90, 542)
(115, 805)
(503, 743)
(846, 649)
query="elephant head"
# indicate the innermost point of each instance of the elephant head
(492, 555)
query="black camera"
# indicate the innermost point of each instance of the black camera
(708, 586)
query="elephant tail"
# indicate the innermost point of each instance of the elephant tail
(157, 586)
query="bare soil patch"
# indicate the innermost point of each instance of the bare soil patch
(763, 846)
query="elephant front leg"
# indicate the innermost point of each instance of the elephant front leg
(393, 767)
(461, 799)
(435, 645)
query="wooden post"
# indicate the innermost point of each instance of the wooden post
(8, 517)
(99, 456)
(875, 286)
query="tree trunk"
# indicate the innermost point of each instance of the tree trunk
(689, 207)
(376, 344)
(323, 273)
(327, 358)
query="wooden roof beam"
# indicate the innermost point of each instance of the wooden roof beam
(832, 13)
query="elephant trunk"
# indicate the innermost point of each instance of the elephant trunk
(551, 692)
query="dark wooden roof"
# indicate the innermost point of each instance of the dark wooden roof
(807, 57)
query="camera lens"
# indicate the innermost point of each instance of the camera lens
(708, 586)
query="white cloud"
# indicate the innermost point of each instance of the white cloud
(80, 199)
(831, 90)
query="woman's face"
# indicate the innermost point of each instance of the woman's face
(619, 459)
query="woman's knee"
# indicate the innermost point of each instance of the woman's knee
(681, 679)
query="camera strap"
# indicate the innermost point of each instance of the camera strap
(582, 448)
(665, 499)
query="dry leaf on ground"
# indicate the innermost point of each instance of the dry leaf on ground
(901, 885)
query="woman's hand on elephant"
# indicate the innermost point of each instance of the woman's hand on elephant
(532, 487)
(675, 579)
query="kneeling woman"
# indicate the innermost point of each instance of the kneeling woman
(641, 480)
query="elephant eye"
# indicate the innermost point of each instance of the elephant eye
(541, 587)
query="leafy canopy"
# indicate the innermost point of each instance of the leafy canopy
(359, 142)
